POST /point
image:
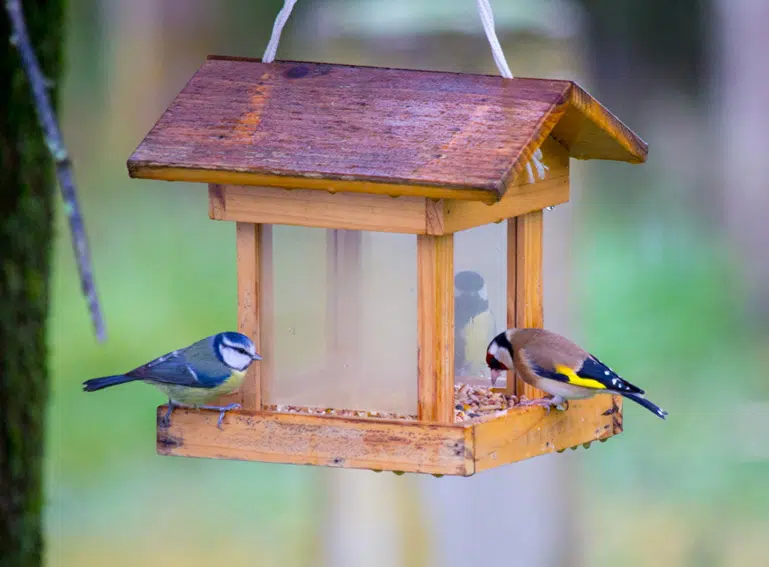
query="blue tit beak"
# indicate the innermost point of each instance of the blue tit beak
(256, 357)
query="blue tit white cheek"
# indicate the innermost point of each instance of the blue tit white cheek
(234, 358)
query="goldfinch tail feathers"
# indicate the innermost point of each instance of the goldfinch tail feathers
(654, 408)
(105, 382)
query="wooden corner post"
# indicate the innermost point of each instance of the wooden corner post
(435, 327)
(524, 283)
(254, 259)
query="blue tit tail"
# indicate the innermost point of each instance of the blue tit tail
(654, 408)
(105, 382)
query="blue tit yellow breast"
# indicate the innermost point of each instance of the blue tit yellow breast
(201, 396)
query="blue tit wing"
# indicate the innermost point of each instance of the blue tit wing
(592, 374)
(195, 366)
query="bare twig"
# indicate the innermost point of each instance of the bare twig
(39, 84)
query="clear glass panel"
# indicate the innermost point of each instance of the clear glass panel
(345, 320)
(480, 299)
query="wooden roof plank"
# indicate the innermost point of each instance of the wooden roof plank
(367, 129)
(590, 131)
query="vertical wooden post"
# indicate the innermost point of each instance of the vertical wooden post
(265, 315)
(435, 327)
(524, 283)
(254, 279)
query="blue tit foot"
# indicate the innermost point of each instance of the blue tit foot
(165, 421)
(222, 410)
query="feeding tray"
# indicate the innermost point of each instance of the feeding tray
(384, 150)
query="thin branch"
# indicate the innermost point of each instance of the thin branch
(39, 84)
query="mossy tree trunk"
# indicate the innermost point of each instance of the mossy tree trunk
(27, 190)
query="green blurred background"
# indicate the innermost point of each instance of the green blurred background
(661, 269)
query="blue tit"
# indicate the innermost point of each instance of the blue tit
(474, 324)
(193, 376)
(556, 365)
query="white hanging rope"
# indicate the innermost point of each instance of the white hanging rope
(487, 19)
(277, 29)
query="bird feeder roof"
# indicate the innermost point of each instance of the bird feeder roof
(371, 130)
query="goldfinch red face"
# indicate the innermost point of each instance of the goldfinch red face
(499, 357)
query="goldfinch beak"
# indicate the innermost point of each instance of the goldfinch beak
(495, 374)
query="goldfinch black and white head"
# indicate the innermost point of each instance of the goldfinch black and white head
(499, 355)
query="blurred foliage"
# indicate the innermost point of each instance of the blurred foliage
(662, 303)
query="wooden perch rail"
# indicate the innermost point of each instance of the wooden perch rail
(393, 445)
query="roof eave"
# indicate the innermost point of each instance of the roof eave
(590, 131)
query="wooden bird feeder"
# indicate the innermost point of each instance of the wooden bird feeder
(363, 150)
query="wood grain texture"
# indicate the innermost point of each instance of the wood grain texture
(365, 129)
(392, 445)
(224, 177)
(265, 314)
(524, 277)
(408, 446)
(511, 281)
(435, 327)
(529, 432)
(523, 196)
(247, 242)
(590, 131)
(434, 216)
(301, 207)
(461, 215)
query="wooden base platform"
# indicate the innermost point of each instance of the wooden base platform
(392, 445)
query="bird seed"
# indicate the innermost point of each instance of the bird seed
(472, 403)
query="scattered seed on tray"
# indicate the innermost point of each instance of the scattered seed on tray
(471, 403)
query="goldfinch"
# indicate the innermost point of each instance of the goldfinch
(556, 365)
(473, 323)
